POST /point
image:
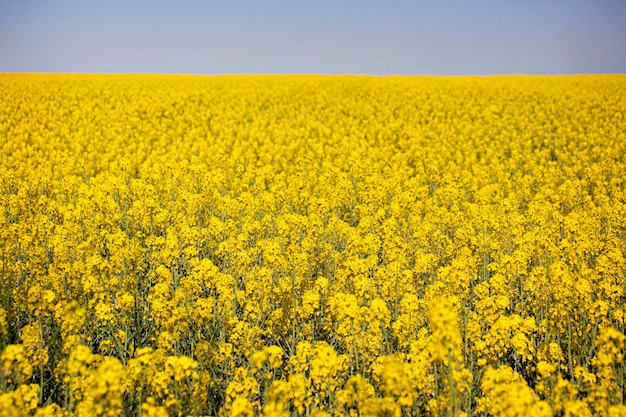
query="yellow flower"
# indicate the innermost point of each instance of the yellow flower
(326, 367)
(125, 301)
(3, 320)
(380, 407)
(22, 401)
(355, 391)
(35, 349)
(545, 369)
(443, 322)
(15, 364)
(150, 409)
(300, 392)
(180, 367)
(506, 394)
(390, 373)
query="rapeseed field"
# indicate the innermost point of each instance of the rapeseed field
(312, 245)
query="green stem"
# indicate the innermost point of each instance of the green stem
(453, 401)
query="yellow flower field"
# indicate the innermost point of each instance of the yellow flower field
(312, 245)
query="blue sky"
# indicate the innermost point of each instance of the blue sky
(276, 36)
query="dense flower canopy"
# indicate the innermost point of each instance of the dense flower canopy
(312, 245)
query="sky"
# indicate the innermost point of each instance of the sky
(445, 37)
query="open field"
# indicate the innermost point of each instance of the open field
(304, 245)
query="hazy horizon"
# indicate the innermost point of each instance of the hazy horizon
(453, 37)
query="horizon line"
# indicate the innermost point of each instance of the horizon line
(358, 74)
